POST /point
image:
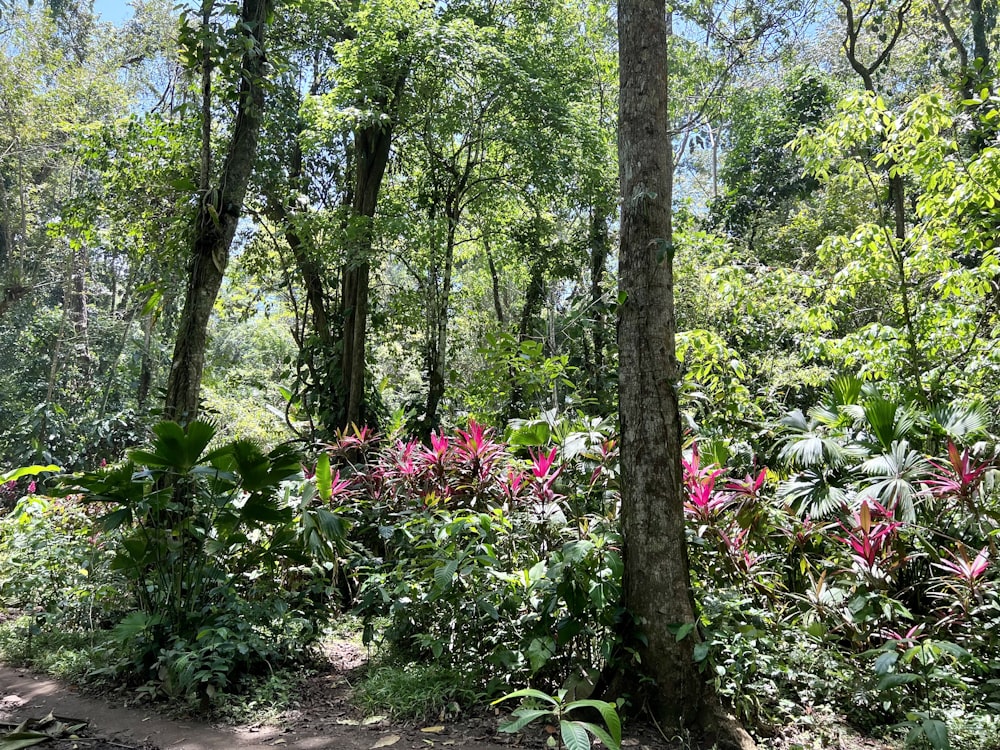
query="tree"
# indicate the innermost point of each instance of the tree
(656, 578)
(220, 206)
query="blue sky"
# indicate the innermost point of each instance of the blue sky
(115, 11)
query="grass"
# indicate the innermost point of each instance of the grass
(418, 692)
(65, 654)
(260, 700)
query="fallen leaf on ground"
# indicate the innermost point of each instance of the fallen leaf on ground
(437, 729)
(389, 739)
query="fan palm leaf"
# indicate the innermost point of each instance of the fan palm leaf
(895, 478)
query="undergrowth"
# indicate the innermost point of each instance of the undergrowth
(416, 692)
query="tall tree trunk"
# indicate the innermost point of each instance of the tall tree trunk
(215, 226)
(438, 343)
(656, 578)
(495, 281)
(371, 154)
(146, 364)
(600, 246)
(76, 303)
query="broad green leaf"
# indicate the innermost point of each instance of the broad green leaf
(893, 679)
(574, 736)
(26, 471)
(324, 477)
(608, 712)
(937, 733)
(532, 434)
(521, 718)
(527, 693)
(609, 741)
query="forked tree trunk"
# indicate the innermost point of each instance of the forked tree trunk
(218, 215)
(656, 578)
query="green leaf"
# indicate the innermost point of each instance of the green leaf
(527, 693)
(574, 736)
(937, 733)
(444, 574)
(885, 662)
(540, 650)
(700, 652)
(17, 740)
(116, 519)
(521, 718)
(532, 434)
(892, 680)
(26, 471)
(324, 477)
(683, 631)
(610, 742)
(608, 712)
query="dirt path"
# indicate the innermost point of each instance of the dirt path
(24, 695)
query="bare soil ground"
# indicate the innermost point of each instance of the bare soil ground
(322, 716)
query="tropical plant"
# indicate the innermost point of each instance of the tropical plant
(574, 734)
(229, 561)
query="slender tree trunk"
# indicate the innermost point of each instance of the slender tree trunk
(76, 302)
(495, 280)
(656, 578)
(439, 330)
(371, 153)
(218, 215)
(600, 246)
(146, 364)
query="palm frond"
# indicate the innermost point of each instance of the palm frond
(896, 477)
(845, 389)
(813, 493)
(960, 421)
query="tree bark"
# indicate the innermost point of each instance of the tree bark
(371, 153)
(656, 578)
(438, 330)
(600, 246)
(218, 215)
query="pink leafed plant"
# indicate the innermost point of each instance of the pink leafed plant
(703, 503)
(477, 451)
(543, 476)
(736, 541)
(959, 566)
(869, 540)
(959, 478)
(750, 486)
(607, 455)
(905, 640)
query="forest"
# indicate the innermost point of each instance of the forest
(606, 361)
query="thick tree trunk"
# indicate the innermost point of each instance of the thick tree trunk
(218, 216)
(371, 153)
(656, 578)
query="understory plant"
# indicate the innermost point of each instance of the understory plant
(861, 543)
(486, 553)
(228, 557)
(574, 734)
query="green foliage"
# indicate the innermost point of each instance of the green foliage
(486, 559)
(228, 560)
(417, 692)
(56, 566)
(574, 734)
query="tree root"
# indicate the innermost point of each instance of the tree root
(721, 728)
